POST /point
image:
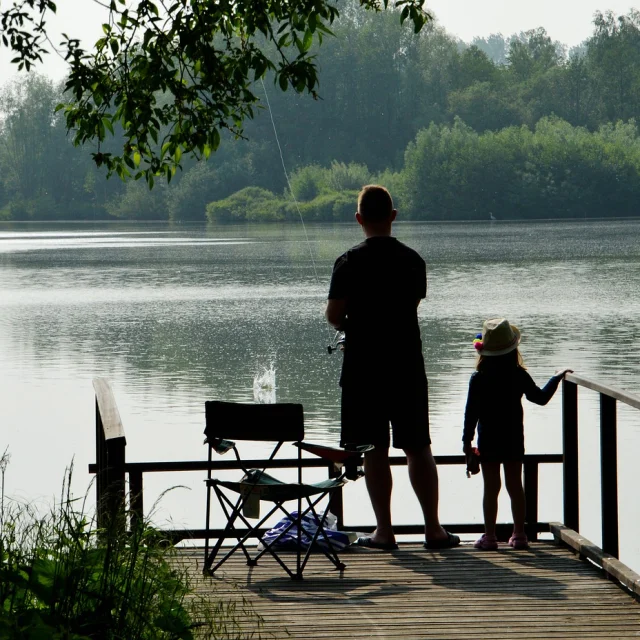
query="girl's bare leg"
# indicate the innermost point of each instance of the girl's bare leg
(492, 484)
(513, 482)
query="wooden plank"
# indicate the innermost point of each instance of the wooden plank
(631, 399)
(111, 423)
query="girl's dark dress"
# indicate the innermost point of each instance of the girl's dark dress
(494, 403)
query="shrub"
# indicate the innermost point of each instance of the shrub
(308, 182)
(138, 202)
(250, 204)
(328, 207)
(343, 177)
(60, 577)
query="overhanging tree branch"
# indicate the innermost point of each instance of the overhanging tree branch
(180, 70)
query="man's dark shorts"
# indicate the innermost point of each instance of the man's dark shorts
(367, 412)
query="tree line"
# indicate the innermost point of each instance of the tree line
(514, 127)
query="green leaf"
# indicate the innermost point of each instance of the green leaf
(106, 121)
(308, 40)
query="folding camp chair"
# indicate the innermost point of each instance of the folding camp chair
(278, 424)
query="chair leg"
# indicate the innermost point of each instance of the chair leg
(233, 512)
(229, 528)
(237, 513)
(331, 553)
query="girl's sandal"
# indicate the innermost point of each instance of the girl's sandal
(519, 541)
(486, 543)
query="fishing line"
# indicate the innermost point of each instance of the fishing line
(293, 197)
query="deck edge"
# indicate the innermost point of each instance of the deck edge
(612, 567)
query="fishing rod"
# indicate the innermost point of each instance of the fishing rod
(338, 340)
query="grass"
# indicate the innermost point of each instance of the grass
(63, 578)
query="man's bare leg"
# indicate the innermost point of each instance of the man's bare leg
(377, 475)
(423, 475)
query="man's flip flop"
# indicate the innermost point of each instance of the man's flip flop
(366, 541)
(445, 543)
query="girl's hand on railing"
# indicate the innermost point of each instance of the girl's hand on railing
(563, 372)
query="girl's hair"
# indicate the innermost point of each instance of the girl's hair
(510, 360)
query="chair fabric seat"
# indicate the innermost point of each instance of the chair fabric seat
(266, 487)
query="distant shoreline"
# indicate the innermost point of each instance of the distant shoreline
(293, 223)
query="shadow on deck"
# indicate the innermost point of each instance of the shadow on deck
(545, 592)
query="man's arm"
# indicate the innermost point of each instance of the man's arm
(336, 312)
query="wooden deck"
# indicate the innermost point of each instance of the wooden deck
(545, 592)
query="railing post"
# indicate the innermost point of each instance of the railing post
(570, 453)
(336, 504)
(101, 464)
(136, 505)
(531, 499)
(114, 497)
(110, 460)
(609, 474)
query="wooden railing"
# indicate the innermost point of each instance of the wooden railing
(111, 468)
(608, 456)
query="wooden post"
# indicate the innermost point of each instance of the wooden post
(531, 499)
(136, 505)
(609, 474)
(110, 457)
(570, 453)
(336, 505)
(115, 486)
(101, 465)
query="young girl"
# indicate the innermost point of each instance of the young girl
(494, 404)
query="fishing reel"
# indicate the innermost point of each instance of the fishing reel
(338, 342)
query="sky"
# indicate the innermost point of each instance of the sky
(569, 21)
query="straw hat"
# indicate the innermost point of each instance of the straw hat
(497, 338)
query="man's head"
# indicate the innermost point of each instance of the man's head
(375, 208)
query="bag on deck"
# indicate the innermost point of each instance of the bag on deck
(339, 539)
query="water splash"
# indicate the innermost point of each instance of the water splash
(264, 386)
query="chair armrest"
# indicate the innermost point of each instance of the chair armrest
(219, 445)
(350, 457)
(334, 454)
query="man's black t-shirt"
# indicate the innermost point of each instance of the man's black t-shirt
(382, 281)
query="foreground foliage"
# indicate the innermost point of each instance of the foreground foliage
(61, 578)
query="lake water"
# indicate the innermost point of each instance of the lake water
(173, 316)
